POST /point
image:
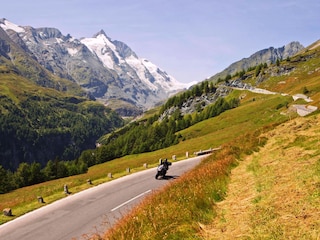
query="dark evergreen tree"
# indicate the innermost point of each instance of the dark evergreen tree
(6, 181)
(23, 175)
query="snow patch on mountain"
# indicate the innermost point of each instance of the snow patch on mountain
(171, 83)
(6, 25)
(140, 69)
(103, 48)
(72, 51)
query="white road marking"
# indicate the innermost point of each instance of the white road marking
(140, 195)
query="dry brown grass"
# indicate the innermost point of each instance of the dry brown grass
(275, 193)
(174, 211)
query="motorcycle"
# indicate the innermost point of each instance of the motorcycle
(162, 169)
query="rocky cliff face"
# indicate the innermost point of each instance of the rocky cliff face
(108, 70)
(269, 55)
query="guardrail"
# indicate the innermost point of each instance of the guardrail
(203, 152)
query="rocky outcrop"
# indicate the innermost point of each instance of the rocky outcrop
(195, 104)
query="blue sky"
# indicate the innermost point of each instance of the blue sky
(189, 39)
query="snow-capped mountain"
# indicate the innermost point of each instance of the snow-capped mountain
(114, 55)
(117, 56)
(108, 70)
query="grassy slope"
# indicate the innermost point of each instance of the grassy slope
(15, 87)
(273, 193)
(280, 197)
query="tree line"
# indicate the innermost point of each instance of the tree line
(30, 174)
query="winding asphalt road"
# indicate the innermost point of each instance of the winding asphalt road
(91, 211)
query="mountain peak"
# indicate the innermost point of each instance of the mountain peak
(292, 48)
(101, 32)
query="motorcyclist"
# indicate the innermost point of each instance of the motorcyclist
(162, 167)
(166, 164)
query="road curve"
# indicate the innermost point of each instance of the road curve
(91, 211)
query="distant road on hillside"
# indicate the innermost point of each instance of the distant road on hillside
(90, 211)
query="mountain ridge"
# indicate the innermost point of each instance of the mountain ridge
(110, 71)
(107, 70)
(267, 55)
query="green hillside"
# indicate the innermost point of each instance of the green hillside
(39, 124)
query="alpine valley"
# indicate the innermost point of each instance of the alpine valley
(59, 95)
